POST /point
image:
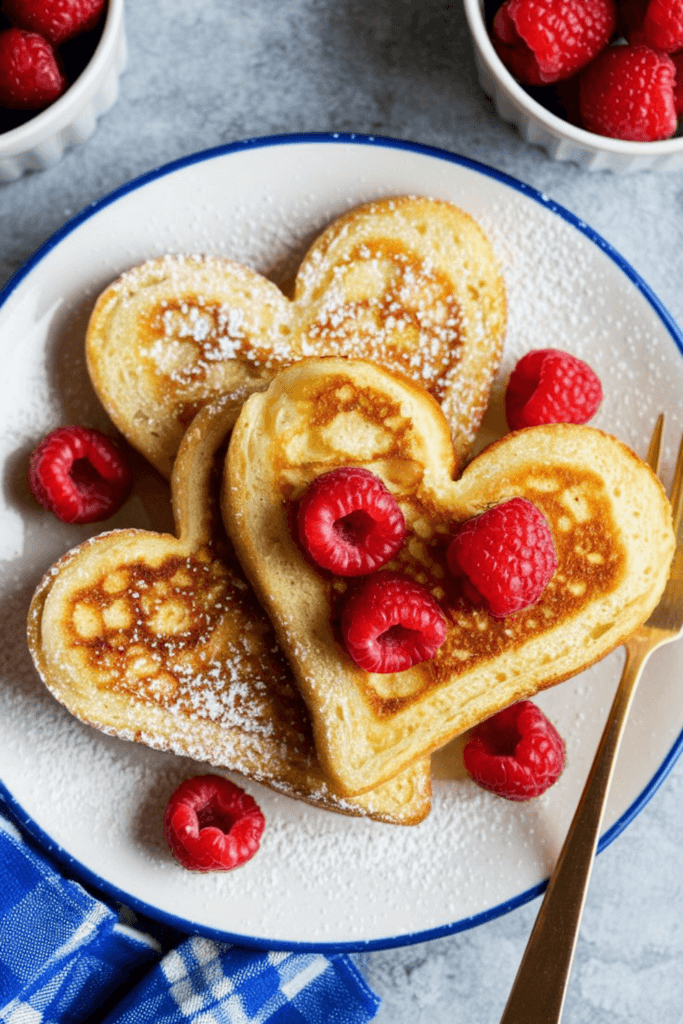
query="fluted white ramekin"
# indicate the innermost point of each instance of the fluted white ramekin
(560, 139)
(41, 141)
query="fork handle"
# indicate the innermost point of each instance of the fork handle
(538, 992)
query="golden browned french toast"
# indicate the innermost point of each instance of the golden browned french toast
(159, 639)
(410, 282)
(608, 515)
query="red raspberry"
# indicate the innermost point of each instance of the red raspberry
(79, 475)
(550, 386)
(507, 556)
(391, 623)
(516, 754)
(544, 41)
(30, 75)
(211, 824)
(677, 59)
(663, 25)
(349, 523)
(628, 93)
(56, 20)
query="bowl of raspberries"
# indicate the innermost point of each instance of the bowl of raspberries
(60, 62)
(595, 82)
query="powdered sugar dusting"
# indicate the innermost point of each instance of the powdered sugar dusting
(414, 323)
(180, 300)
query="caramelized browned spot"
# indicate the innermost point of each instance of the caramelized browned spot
(341, 395)
(393, 308)
(327, 407)
(189, 636)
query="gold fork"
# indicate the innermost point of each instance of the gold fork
(538, 992)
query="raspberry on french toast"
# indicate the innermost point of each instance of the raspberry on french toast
(349, 523)
(505, 556)
(609, 518)
(159, 639)
(410, 282)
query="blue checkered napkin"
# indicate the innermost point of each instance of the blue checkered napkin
(62, 953)
(206, 982)
(65, 959)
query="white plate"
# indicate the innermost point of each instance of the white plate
(320, 879)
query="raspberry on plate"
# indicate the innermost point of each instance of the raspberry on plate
(391, 623)
(349, 523)
(211, 824)
(628, 93)
(517, 754)
(550, 386)
(56, 20)
(30, 73)
(506, 555)
(545, 41)
(79, 474)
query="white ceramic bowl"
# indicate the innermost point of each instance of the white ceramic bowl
(41, 141)
(562, 140)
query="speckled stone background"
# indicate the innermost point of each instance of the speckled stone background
(204, 72)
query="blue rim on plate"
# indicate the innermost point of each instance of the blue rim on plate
(111, 892)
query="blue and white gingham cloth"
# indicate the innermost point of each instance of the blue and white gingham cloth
(66, 959)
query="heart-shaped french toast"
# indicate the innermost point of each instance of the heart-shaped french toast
(608, 516)
(411, 283)
(159, 639)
